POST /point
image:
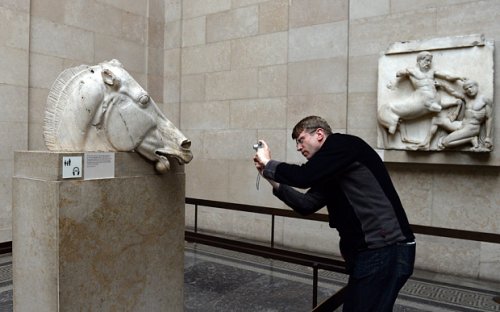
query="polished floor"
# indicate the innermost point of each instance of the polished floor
(223, 280)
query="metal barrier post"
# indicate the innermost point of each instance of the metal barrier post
(272, 231)
(315, 285)
(196, 218)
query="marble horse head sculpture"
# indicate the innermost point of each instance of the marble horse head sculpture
(102, 108)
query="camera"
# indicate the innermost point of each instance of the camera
(257, 146)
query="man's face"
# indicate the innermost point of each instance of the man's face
(470, 89)
(308, 142)
(425, 62)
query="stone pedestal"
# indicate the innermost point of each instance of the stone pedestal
(97, 245)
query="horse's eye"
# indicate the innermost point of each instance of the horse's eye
(144, 100)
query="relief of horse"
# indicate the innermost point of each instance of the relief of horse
(102, 108)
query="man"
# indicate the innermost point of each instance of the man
(347, 175)
(478, 111)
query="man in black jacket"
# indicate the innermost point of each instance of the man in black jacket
(347, 175)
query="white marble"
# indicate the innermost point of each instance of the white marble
(102, 108)
(436, 95)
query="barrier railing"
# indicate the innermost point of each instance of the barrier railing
(313, 261)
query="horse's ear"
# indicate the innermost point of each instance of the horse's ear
(115, 62)
(110, 79)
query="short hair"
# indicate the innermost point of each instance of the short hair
(423, 54)
(311, 123)
(469, 82)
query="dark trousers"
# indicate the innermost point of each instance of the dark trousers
(377, 276)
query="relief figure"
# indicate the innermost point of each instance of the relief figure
(477, 111)
(424, 100)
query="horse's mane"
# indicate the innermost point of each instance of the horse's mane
(56, 103)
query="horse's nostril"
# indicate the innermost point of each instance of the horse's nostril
(186, 144)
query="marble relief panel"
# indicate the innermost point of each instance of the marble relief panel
(437, 95)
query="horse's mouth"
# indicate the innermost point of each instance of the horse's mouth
(163, 156)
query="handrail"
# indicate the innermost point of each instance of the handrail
(336, 300)
(419, 229)
(458, 234)
(255, 209)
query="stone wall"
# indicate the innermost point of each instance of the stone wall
(14, 82)
(230, 71)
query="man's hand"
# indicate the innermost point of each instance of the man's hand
(262, 156)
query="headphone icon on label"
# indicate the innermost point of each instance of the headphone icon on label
(76, 171)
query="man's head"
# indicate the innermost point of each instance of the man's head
(309, 134)
(470, 87)
(424, 60)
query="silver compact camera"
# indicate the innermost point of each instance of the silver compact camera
(257, 146)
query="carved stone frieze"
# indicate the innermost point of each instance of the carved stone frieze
(437, 95)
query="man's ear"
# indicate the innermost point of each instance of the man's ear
(321, 134)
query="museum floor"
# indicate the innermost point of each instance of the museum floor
(222, 280)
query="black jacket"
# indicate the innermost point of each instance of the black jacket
(350, 178)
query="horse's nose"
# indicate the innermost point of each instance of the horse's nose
(186, 144)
